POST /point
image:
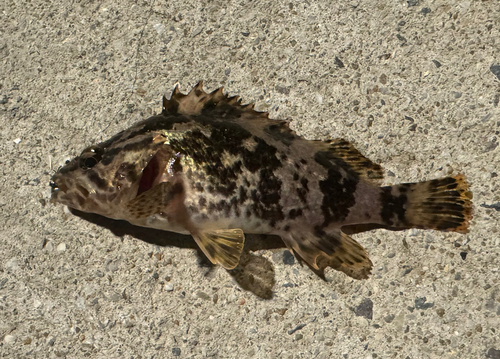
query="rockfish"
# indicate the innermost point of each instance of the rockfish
(215, 169)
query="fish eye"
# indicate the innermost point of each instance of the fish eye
(89, 162)
(90, 157)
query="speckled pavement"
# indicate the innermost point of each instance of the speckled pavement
(414, 84)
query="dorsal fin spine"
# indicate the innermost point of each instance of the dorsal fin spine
(197, 100)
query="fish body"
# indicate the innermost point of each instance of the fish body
(213, 168)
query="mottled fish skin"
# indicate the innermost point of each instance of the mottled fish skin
(213, 168)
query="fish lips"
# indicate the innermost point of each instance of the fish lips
(58, 189)
(65, 189)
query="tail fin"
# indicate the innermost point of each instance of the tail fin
(442, 204)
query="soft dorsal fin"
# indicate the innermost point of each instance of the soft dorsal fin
(340, 149)
(197, 100)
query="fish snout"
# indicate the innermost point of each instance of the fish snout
(53, 185)
(58, 188)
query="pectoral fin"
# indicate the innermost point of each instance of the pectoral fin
(221, 246)
(156, 200)
(150, 202)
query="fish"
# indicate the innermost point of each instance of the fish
(213, 168)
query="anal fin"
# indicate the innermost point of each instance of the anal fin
(352, 259)
(335, 249)
(221, 246)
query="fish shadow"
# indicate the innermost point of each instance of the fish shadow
(254, 273)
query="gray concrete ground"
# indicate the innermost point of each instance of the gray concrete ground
(414, 84)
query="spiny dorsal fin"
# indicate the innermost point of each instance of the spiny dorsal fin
(340, 149)
(197, 100)
(334, 151)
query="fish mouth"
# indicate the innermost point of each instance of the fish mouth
(59, 190)
(53, 185)
(56, 190)
(65, 191)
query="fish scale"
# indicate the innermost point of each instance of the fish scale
(213, 168)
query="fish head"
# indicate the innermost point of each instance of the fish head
(107, 176)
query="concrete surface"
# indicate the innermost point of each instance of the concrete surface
(414, 84)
